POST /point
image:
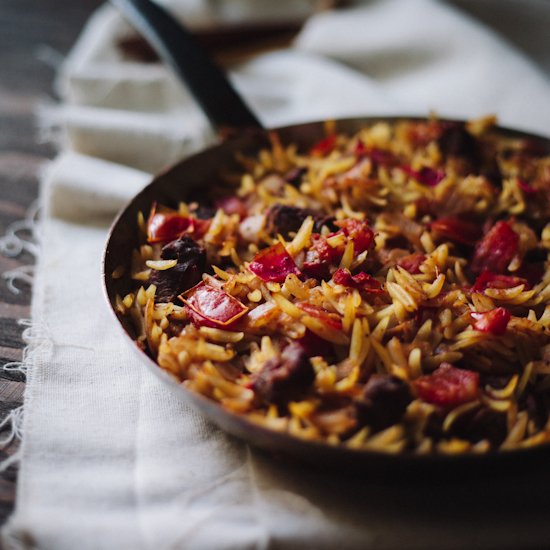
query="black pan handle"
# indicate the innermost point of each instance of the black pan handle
(179, 48)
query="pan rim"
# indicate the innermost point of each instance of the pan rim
(290, 445)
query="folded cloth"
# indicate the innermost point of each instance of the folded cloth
(110, 457)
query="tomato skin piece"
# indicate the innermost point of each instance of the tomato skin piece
(167, 227)
(163, 227)
(212, 307)
(457, 230)
(496, 250)
(491, 280)
(359, 232)
(361, 281)
(273, 264)
(494, 321)
(448, 386)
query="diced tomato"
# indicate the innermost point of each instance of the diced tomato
(323, 147)
(273, 264)
(168, 225)
(426, 175)
(359, 232)
(212, 307)
(232, 205)
(448, 386)
(457, 230)
(362, 281)
(330, 319)
(497, 248)
(494, 321)
(412, 262)
(492, 280)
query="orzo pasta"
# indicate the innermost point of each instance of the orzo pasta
(386, 290)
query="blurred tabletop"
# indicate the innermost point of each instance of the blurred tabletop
(34, 37)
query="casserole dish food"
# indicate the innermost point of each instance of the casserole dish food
(351, 291)
(382, 286)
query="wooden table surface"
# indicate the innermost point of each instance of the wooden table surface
(34, 37)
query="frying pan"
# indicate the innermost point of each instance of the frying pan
(229, 114)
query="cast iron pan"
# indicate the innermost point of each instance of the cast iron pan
(227, 111)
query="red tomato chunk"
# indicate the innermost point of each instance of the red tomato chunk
(492, 280)
(448, 386)
(494, 321)
(212, 307)
(273, 264)
(496, 250)
(166, 226)
(359, 232)
(362, 281)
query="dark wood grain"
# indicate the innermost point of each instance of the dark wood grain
(30, 31)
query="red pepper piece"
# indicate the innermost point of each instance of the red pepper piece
(492, 280)
(360, 233)
(212, 307)
(330, 319)
(426, 175)
(496, 250)
(448, 386)
(494, 321)
(412, 262)
(362, 281)
(273, 264)
(232, 205)
(457, 230)
(323, 147)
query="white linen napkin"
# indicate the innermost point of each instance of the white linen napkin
(110, 457)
